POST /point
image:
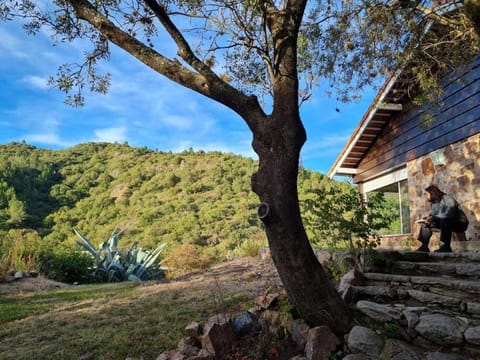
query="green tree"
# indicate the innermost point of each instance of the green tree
(276, 49)
(340, 217)
(16, 212)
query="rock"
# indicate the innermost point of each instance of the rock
(245, 323)
(472, 335)
(366, 341)
(271, 323)
(441, 329)
(412, 320)
(167, 355)
(298, 330)
(188, 346)
(18, 275)
(398, 350)
(356, 357)
(345, 287)
(428, 298)
(202, 355)
(321, 342)
(218, 336)
(194, 330)
(444, 356)
(323, 256)
(473, 308)
(379, 312)
(267, 301)
(178, 356)
(422, 343)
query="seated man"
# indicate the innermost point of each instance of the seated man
(446, 215)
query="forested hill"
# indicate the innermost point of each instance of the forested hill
(203, 198)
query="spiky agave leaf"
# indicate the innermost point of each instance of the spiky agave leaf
(148, 268)
(87, 245)
(116, 272)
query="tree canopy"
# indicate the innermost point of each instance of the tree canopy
(235, 45)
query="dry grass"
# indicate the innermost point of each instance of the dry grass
(116, 321)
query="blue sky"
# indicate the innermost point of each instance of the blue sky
(142, 107)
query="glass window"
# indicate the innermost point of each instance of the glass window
(396, 196)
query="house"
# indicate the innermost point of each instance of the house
(392, 149)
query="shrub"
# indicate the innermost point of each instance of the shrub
(251, 246)
(18, 250)
(186, 258)
(66, 265)
(345, 218)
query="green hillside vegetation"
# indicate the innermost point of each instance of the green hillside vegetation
(198, 203)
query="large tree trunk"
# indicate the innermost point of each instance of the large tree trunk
(304, 279)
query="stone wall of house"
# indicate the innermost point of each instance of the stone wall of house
(458, 175)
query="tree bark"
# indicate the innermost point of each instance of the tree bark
(304, 279)
(278, 140)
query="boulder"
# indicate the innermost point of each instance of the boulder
(441, 329)
(364, 340)
(472, 335)
(245, 323)
(321, 342)
(379, 312)
(345, 287)
(218, 336)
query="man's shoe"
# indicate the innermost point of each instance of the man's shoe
(423, 248)
(444, 249)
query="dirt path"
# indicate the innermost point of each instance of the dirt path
(251, 275)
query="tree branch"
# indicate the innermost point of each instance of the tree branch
(205, 82)
(184, 50)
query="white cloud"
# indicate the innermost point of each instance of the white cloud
(11, 46)
(113, 134)
(324, 149)
(50, 139)
(36, 82)
(177, 122)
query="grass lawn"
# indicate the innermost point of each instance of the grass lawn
(110, 321)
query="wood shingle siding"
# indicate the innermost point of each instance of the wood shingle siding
(404, 137)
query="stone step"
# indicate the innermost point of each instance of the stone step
(413, 281)
(416, 256)
(423, 328)
(368, 344)
(455, 303)
(453, 269)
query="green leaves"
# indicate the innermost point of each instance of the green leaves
(342, 218)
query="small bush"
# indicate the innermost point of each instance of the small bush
(66, 265)
(18, 250)
(251, 247)
(186, 258)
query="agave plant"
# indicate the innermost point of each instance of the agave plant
(113, 265)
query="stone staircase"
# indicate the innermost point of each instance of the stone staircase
(428, 302)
